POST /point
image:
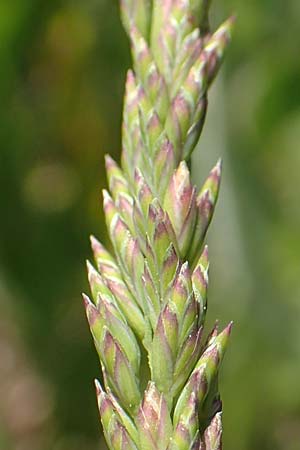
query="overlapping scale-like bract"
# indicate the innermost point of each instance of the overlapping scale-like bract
(149, 296)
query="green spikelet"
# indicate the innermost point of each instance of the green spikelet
(149, 297)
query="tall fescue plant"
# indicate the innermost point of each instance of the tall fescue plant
(149, 298)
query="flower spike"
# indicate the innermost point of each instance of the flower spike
(149, 295)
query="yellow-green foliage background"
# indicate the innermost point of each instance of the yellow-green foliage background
(62, 72)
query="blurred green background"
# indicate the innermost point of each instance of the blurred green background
(63, 64)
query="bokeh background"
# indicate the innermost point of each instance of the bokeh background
(63, 64)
